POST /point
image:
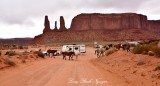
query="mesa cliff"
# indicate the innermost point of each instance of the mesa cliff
(101, 27)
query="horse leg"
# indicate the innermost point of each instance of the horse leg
(49, 54)
(101, 53)
(97, 54)
(69, 57)
(64, 57)
(95, 51)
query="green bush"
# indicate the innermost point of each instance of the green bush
(39, 53)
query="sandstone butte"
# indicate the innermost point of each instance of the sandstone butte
(101, 27)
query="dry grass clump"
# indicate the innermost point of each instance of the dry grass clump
(9, 61)
(145, 48)
(157, 68)
(151, 53)
(156, 51)
(151, 49)
(141, 49)
(10, 53)
(39, 53)
(141, 62)
(23, 61)
(110, 51)
(26, 52)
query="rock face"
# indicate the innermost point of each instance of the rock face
(102, 27)
(109, 21)
(55, 28)
(62, 24)
(154, 25)
(46, 25)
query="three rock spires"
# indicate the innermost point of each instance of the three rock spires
(47, 25)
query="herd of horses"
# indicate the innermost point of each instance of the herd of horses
(100, 51)
(53, 53)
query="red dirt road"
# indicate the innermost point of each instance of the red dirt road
(56, 72)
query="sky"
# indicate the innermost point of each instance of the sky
(25, 18)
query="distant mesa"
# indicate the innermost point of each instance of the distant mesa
(101, 27)
(97, 21)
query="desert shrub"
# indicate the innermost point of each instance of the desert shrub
(21, 47)
(143, 49)
(9, 62)
(110, 51)
(150, 53)
(23, 61)
(141, 62)
(39, 53)
(156, 50)
(157, 68)
(139, 50)
(10, 53)
(26, 52)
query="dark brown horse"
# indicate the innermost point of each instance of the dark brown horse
(53, 52)
(70, 54)
(118, 46)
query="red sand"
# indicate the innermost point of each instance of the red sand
(117, 69)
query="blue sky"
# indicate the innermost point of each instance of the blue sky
(25, 18)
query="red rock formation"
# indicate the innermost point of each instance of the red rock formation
(46, 25)
(55, 28)
(62, 24)
(154, 25)
(109, 21)
(103, 27)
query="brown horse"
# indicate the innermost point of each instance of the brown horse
(53, 52)
(70, 54)
(118, 46)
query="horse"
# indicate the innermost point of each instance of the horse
(101, 51)
(70, 54)
(53, 52)
(110, 45)
(126, 46)
(118, 46)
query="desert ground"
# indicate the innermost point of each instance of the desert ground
(117, 69)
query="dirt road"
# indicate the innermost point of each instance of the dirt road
(56, 72)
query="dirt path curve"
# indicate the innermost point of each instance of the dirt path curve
(56, 72)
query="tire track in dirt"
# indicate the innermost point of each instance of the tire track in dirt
(57, 72)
